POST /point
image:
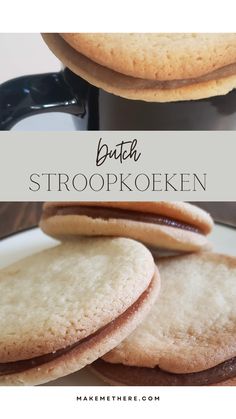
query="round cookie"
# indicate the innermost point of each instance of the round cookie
(189, 337)
(217, 82)
(64, 307)
(160, 225)
(157, 56)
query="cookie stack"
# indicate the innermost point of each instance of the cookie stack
(169, 226)
(155, 67)
(111, 296)
(63, 308)
(189, 337)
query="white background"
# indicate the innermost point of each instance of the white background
(118, 16)
(27, 53)
(175, 402)
(24, 54)
(106, 15)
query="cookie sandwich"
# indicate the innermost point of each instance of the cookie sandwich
(156, 67)
(189, 336)
(172, 226)
(66, 306)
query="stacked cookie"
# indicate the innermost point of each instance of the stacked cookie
(188, 337)
(63, 308)
(94, 299)
(156, 67)
(169, 226)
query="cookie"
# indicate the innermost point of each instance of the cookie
(157, 56)
(64, 307)
(159, 225)
(189, 337)
(219, 81)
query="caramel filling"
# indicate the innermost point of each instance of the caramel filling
(142, 376)
(80, 346)
(105, 73)
(223, 72)
(106, 213)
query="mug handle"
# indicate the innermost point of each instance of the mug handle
(35, 94)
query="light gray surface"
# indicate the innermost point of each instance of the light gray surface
(46, 122)
(25, 53)
(16, 51)
(73, 154)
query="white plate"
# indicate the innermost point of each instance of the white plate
(26, 243)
